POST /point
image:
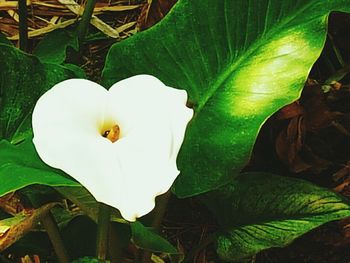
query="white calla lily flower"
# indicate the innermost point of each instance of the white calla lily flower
(121, 144)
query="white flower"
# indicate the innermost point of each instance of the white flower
(121, 144)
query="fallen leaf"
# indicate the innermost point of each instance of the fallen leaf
(16, 227)
(290, 111)
(11, 203)
(152, 12)
(3, 229)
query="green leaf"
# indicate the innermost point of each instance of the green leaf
(87, 203)
(87, 260)
(239, 61)
(23, 79)
(145, 238)
(53, 47)
(24, 130)
(259, 211)
(78, 71)
(21, 166)
(82, 198)
(4, 40)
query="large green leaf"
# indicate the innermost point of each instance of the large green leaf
(87, 203)
(23, 79)
(145, 238)
(239, 61)
(258, 211)
(53, 47)
(21, 166)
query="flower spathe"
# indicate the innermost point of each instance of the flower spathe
(73, 124)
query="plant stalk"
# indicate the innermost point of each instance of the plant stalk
(52, 230)
(85, 20)
(115, 248)
(104, 216)
(159, 212)
(23, 27)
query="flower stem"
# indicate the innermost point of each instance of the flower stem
(102, 232)
(85, 20)
(159, 212)
(115, 247)
(23, 27)
(51, 227)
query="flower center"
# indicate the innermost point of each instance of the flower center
(112, 134)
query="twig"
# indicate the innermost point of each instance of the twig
(46, 29)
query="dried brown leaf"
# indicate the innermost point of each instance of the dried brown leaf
(153, 12)
(290, 111)
(11, 203)
(289, 143)
(16, 227)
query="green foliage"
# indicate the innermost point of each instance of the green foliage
(145, 238)
(86, 202)
(86, 260)
(239, 61)
(79, 237)
(23, 79)
(78, 71)
(82, 198)
(53, 47)
(21, 166)
(4, 40)
(259, 211)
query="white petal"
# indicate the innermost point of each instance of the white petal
(131, 172)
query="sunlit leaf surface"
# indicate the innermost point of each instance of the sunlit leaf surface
(240, 61)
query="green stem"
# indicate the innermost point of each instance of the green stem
(52, 230)
(23, 27)
(104, 216)
(85, 20)
(115, 248)
(159, 212)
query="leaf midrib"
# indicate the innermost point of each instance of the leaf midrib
(257, 44)
(282, 218)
